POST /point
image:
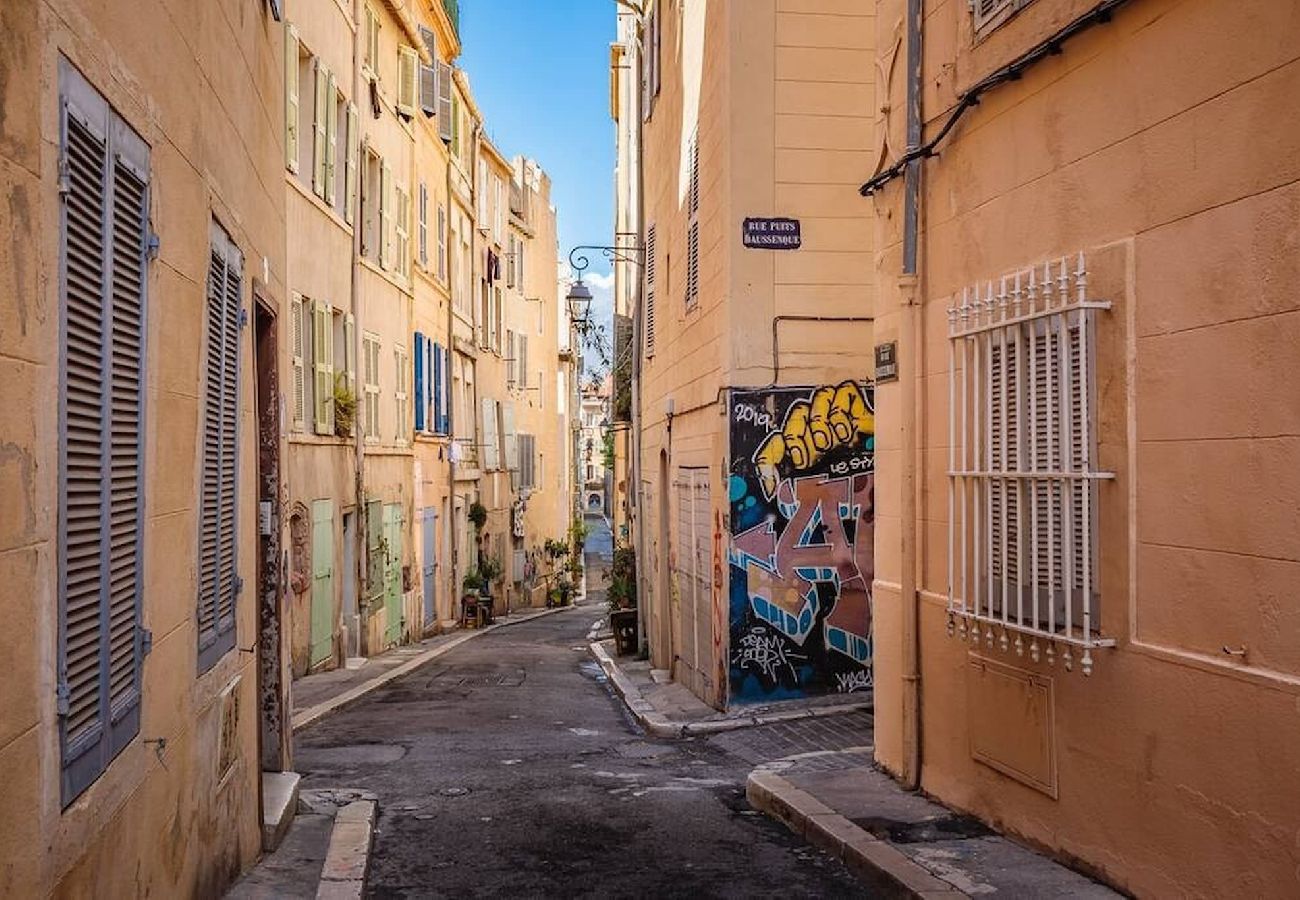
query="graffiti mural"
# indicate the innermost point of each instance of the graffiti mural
(801, 492)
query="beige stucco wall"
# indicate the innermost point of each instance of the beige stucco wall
(781, 93)
(535, 309)
(1166, 147)
(162, 808)
(320, 254)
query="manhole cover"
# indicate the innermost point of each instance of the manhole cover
(454, 791)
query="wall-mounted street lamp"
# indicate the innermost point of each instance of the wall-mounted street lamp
(579, 296)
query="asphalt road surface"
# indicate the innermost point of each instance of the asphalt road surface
(507, 768)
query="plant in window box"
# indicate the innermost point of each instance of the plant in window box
(345, 407)
(478, 515)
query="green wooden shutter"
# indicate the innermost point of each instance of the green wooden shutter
(218, 578)
(105, 201)
(322, 580)
(350, 172)
(331, 139)
(318, 128)
(323, 367)
(374, 549)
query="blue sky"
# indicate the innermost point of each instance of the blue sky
(540, 74)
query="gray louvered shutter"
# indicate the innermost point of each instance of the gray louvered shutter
(444, 102)
(429, 74)
(650, 291)
(105, 190)
(218, 578)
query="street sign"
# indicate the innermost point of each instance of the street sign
(886, 362)
(772, 234)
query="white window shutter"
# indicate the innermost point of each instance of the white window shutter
(291, 89)
(350, 172)
(350, 351)
(319, 146)
(385, 216)
(408, 62)
(511, 437)
(298, 351)
(331, 138)
(522, 366)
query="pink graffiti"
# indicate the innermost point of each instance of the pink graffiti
(783, 570)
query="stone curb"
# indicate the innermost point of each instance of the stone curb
(878, 864)
(320, 710)
(659, 725)
(348, 856)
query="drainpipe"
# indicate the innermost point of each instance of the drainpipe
(638, 338)
(909, 370)
(358, 438)
(452, 524)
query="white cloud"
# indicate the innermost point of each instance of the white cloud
(602, 313)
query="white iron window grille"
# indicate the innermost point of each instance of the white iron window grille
(1023, 476)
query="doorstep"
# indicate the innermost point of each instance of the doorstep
(901, 843)
(670, 710)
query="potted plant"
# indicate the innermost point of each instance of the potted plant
(478, 515)
(621, 596)
(345, 407)
(491, 572)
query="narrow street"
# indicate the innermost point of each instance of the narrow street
(506, 768)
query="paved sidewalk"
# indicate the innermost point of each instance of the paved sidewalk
(667, 709)
(315, 696)
(902, 843)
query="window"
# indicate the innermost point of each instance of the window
(324, 131)
(498, 211)
(401, 229)
(650, 62)
(512, 357)
(408, 68)
(429, 74)
(370, 219)
(497, 324)
(353, 143)
(423, 226)
(372, 26)
(101, 475)
(521, 349)
(322, 367)
(650, 291)
(446, 109)
(370, 384)
(511, 242)
(527, 457)
(385, 216)
(440, 388)
(1023, 452)
(291, 90)
(300, 349)
(989, 14)
(218, 581)
(692, 284)
(442, 243)
(400, 394)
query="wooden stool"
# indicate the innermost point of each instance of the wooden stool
(469, 611)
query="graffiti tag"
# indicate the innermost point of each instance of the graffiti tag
(848, 682)
(745, 412)
(767, 654)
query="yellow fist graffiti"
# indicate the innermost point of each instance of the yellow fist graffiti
(833, 417)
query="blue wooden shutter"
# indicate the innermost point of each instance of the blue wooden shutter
(437, 388)
(103, 225)
(218, 575)
(419, 381)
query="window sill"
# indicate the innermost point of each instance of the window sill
(325, 440)
(392, 278)
(295, 181)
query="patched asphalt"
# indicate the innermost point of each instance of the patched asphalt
(507, 768)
